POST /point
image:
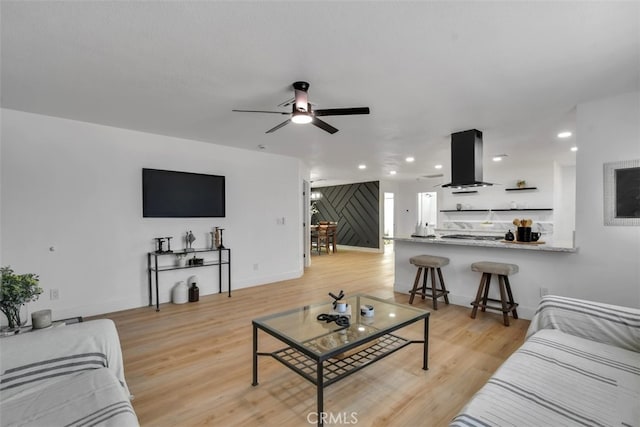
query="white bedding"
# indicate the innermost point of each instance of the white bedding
(70, 375)
(559, 379)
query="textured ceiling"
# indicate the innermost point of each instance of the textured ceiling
(514, 70)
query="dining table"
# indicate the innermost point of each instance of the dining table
(324, 234)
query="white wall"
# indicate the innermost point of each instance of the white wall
(564, 205)
(608, 265)
(77, 187)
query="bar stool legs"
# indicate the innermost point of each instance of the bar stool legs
(507, 303)
(427, 266)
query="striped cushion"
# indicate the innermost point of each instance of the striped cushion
(87, 398)
(580, 365)
(609, 324)
(558, 379)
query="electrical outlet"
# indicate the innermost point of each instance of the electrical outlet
(544, 291)
(255, 267)
(54, 294)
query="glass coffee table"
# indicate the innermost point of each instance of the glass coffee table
(325, 352)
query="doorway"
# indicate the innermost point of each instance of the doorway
(428, 210)
(306, 220)
(389, 220)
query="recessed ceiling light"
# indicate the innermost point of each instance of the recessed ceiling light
(409, 159)
(362, 166)
(438, 166)
(574, 148)
(565, 134)
(499, 157)
(392, 172)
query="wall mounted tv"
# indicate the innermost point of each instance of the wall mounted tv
(171, 194)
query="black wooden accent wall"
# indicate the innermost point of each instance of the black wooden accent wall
(356, 208)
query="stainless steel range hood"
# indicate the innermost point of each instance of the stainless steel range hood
(466, 160)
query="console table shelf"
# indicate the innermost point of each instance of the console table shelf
(520, 188)
(169, 267)
(153, 268)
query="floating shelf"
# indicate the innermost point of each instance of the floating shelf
(495, 210)
(520, 188)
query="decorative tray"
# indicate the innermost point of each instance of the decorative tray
(539, 242)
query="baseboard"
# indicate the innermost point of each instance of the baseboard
(359, 248)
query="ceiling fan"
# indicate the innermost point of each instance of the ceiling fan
(303, 113)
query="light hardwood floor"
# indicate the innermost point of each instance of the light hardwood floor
(190, 364)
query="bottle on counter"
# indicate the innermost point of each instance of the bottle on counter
(194, 293)
(509, 237)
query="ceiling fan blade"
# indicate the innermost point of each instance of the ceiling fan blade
(259, 111)
(324, 125)
(273, 129)
(342, 111)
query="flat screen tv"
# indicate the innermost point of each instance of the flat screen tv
(171, 194)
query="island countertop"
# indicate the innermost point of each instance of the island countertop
(484, 243)
(543, 268)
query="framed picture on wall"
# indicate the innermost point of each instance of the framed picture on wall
(622, 193)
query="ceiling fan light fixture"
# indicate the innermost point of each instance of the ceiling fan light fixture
(301, 118)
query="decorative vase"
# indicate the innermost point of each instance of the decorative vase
(194, 293)
(218, 238)
(16, 317)
(180, 293)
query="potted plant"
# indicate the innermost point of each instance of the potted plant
(17, 290)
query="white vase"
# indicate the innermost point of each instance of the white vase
(180, 293)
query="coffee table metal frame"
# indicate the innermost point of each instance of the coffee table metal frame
(323, 368)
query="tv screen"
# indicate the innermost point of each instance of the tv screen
(171, 194)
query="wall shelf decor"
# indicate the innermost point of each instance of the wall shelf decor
(153, 268)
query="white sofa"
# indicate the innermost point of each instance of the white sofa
(69, 375)
(580, 365)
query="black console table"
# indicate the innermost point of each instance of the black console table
(153, 268)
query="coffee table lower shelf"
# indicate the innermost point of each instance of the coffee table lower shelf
(334, 369)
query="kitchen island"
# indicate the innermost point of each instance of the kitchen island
(543, 268)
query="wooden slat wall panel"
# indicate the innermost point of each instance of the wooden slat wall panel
(356, 208)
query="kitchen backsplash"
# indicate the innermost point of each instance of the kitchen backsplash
(491, 227)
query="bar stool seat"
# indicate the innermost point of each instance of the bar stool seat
(494, 268)
(507, 304)
(428, 263)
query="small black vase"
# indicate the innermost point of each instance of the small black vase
(194, 293)
(509, 236)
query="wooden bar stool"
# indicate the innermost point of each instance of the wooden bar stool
(429, 263)
(507, 304)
